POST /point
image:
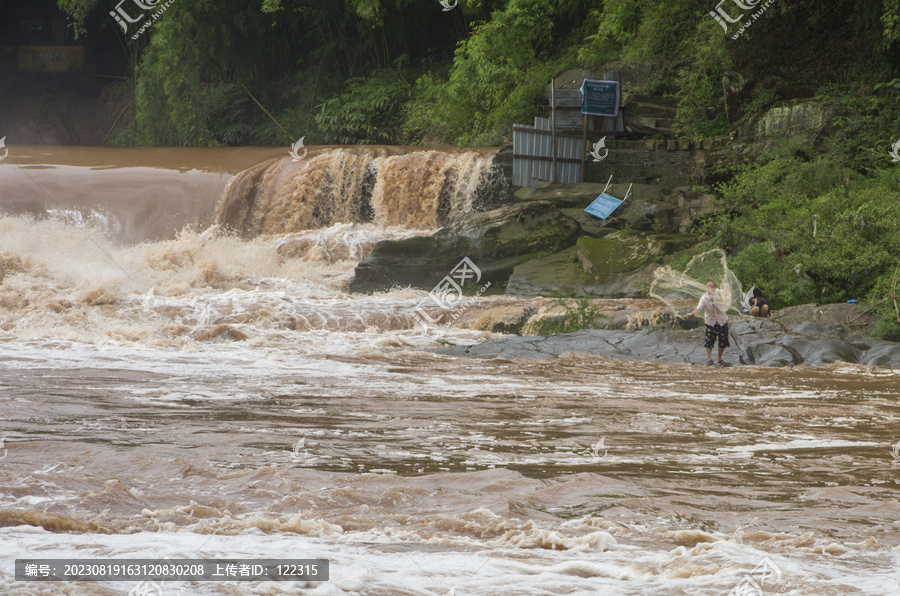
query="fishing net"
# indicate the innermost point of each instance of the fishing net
(682, 290)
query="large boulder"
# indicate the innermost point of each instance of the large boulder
(612, 267)
(495, 241)
(802, 120)
(604, 258)
(650, 208)
(622, 266)
(547, 275)
(564, 195)
(583, 193)
(656, 216)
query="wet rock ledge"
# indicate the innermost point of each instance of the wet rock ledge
(808, 334)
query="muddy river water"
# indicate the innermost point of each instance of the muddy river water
(194, 394)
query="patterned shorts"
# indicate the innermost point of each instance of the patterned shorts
(714, 331)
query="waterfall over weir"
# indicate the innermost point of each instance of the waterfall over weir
(383, 185)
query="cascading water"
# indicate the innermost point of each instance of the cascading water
(420, 189)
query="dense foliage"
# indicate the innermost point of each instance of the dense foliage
(811, 225)
(362, 71)
(405, 71)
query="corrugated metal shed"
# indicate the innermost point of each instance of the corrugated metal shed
(532, 154)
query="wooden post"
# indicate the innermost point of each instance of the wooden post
(553, 128)
(583, 145)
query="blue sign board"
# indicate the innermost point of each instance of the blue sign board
(601, 98)
(603, 206)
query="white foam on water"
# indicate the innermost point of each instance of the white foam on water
(210, 358)
(809, 443)
(366, 565)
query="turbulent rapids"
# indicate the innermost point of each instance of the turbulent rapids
(420, 189)
(199, 393)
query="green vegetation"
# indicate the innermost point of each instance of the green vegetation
(405, 71)
(809, 225)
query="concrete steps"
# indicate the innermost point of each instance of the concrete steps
(649, 115)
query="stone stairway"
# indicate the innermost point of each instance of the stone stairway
(650, 115)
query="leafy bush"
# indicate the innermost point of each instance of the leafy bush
(499, 72)
(807, 227)
(425, 121)
(866, 127)
(369, 112)
(782, 282)
(885, 301)
(190, 66)
(701, 110)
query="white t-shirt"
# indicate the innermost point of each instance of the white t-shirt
(713, 308)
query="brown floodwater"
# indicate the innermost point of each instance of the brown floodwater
(135, 194)
(209, 396)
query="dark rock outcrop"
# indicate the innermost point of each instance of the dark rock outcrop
(496, 241)
(650, 208)
(761, 342)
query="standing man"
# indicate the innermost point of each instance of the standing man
(713, 308)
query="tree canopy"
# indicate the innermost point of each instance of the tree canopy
(409, 71)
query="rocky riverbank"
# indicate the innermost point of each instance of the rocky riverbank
(807, 334)
(544, 242)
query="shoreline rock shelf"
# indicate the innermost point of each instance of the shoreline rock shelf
(807, 334)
